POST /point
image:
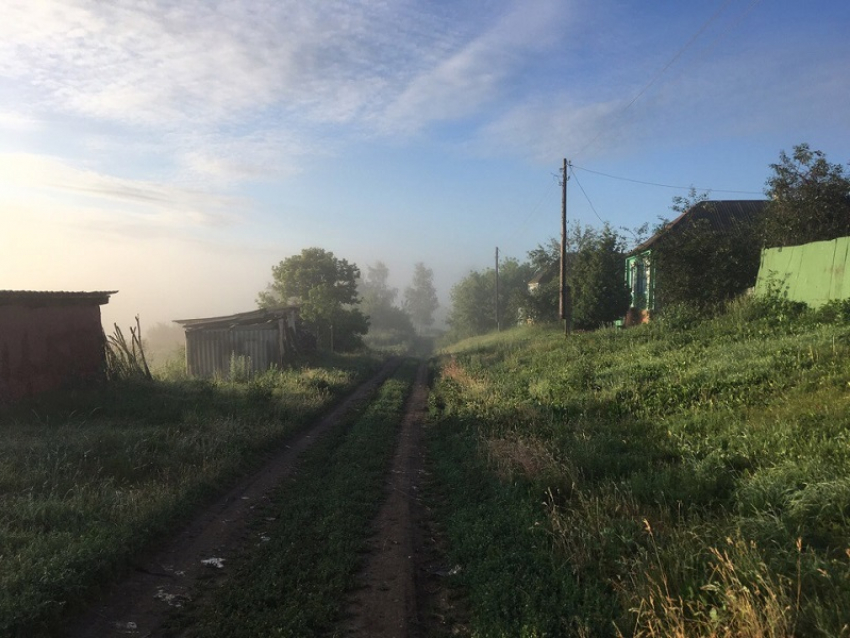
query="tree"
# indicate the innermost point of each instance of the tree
(388, 324)
(473, 310)
(474, 298)
(599, 290)
(809, 199)
(325, 287)
(702, 266)
(420, 298)
(594, 273)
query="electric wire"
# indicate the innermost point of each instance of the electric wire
(592, 207)
(686, 188)
(655, 78)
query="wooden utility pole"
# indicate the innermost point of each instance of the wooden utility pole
(565, 297)
(498, 323)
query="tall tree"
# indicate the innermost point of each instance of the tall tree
(594, 273)
(325, 287)
(387, 322)
(472, 312)
(473, 309)
(809, 199)
(599, 290)
(420, 297)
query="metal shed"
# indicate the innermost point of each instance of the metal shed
(49, 340)
(265, 338)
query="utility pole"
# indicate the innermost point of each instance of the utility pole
(565, 297)
(498, 323)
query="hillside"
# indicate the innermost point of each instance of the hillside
(676, 479)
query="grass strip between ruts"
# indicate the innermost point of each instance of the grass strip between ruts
(310, 538)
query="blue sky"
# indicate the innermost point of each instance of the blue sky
(175, 151)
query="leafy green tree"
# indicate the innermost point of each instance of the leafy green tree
(420, 297)
(599, 290)
(325, 287)
(473, 309)
(809, 199)
(594, 274)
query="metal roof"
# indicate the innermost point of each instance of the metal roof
(720, 215)
(54, 298)
(263, 315)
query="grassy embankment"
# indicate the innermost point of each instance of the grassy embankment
(650, 482)
(88, 480)
(311, 536)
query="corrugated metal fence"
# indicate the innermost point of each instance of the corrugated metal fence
(814, 273)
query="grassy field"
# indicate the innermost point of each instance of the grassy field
(684, 478)
(87, 480)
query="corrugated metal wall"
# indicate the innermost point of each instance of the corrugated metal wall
(47, 348)
(209, 351)
(813, 273)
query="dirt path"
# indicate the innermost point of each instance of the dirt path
(386, 603)
(139, 605)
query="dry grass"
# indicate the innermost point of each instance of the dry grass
(742, 598)
(517, 456)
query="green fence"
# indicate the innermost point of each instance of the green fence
(813, 273)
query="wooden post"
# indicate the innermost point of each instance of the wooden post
(565, 297)
(498, 323)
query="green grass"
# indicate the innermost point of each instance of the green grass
(88, 480)
(316, 526)
(689, 482)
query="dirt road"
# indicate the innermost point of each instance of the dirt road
(386, 603)
(141, 603)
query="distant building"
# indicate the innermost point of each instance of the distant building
(720, 215)
(262, 339)
(49, 341)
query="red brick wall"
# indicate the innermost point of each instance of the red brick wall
(48, 347)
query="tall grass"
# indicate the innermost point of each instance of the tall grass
(89, 479)
(692, 477)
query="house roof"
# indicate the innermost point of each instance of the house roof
(254, 317)
(49, 298)
(720, 215)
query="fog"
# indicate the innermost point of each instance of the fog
(176, 155)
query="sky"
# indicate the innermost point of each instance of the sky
(176, 151)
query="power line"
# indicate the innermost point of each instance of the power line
(655, 78)
(686, 188)
(592, 207)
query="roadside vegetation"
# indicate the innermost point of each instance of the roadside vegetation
(683, 478)
(311, 536)
(89, 479)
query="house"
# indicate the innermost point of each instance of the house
(49, 341)
(262, 338)
(640, 272)
(544, 276)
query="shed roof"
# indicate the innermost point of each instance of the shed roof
(48, 298)
(254, 317)
(720, 215)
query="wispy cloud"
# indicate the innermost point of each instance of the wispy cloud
(480, 71)
(157, 204)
